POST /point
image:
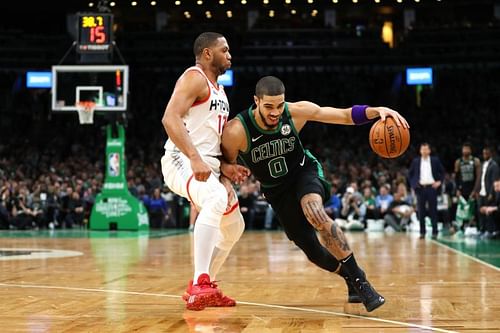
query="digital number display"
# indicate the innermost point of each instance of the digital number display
(95, 33)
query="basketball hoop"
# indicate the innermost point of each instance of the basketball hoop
(86, 112)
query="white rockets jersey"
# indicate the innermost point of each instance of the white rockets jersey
(206, 119)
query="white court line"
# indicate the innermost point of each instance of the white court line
(466, 255)
(339, 314)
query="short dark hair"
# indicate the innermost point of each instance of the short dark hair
(270, 86)
(467, 144)
(205, 40)
(425, 144)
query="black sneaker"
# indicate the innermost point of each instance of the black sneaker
(352, 294)
(371, 299)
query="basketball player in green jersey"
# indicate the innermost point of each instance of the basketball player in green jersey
(266, 138)
(467, 170)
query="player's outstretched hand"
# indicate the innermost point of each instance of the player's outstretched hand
(387, 112)
(201, 170)
(235, 172)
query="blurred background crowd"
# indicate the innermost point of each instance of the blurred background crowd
(51, 168)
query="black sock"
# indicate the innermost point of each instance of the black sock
(350, 268)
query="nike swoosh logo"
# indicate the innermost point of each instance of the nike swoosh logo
(257, 138)
(303, 160)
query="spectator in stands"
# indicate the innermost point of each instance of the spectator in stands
(492, 210)
(426, 175)
(75, 212)
(398, 213)
(369, 204)
(246, 198)
(383, 199)
(333, 205)
(352, 202)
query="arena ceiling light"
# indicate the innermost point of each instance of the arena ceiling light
(133, 3)
(91, 4)
(310, 1)
(243, 2)
(112, 4)
(399, 1)
(177, 3)
(335, 1)
(288, 2)
(221, 2)
(229, 14)
(199, 2)
(153, 3)
(293, 11)
(377, 1)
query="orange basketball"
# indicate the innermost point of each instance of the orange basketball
(387, 139)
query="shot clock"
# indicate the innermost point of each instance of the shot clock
(95, 33)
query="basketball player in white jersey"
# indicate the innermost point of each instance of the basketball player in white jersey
(194, 119)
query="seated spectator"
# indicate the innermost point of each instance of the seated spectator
(369, 204)
(247, 199)
(383, 199)
(492, 211)
(75, 211)
(399, 213)
(352, 205)
(333, 205)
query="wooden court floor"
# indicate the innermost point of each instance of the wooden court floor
(133, 284)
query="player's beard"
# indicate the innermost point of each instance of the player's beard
(265, 121)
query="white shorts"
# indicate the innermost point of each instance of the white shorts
(178, 176)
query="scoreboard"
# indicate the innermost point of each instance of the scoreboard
(95, 33)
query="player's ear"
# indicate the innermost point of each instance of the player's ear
(256, 100)
(207, 53)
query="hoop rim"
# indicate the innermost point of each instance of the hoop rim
(85, 111)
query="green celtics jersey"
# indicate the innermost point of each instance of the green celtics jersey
(272, 155)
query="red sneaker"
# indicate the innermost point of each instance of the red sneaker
(205, 294)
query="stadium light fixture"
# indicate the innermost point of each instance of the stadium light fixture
(229, 14)
(221, 2)
(293, 11)
(112, 4)
(271, 13)
(153, 3)
(288, 2)
(177, 2)
(199, 2)
(133, 3)
(91, 4)
(243, 2)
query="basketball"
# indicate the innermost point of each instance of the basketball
(387, 139)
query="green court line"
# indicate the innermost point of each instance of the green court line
(85, 233)
(485, 250)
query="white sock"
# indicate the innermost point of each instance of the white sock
(205, 239)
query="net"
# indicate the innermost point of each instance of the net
(86, 112)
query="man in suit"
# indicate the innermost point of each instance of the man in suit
(426, 175)
(484, 186)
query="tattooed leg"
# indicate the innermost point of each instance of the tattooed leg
(332, 237)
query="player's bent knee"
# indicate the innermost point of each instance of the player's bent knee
(232, 227)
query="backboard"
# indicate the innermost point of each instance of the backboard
(107, 86)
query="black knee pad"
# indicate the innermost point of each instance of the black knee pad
(316, 252)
